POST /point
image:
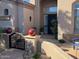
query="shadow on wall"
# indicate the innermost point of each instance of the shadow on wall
(65, 21)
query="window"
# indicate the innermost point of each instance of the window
(76, 14)
(52, 9)
(6, 11)
(26, 1)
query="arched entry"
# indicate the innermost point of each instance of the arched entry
(50, 21)
(48, 16)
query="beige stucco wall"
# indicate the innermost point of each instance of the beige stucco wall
(37, 15)
(65, 17)
(19, 15)
(27, 23)
(4, 4)
(16, 13)
(24, 13)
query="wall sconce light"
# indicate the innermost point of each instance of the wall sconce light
(30, 18)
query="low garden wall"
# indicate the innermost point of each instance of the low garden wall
(70, 36)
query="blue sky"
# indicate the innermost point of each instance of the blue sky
(26, 0)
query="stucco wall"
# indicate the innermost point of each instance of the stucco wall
(27, 22)
(12, 12)
(20, 22)
(65, 17)
(37, 15)
(19, 15)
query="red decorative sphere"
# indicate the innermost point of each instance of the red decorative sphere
(32, 32)
(8, 30)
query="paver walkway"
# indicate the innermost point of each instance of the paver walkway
(54, 51)
(12, 54)
(67, 47)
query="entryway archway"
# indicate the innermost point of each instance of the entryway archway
(48, 21)
(51, 24)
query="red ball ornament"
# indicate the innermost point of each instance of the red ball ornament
(8, 30)
(32, 32)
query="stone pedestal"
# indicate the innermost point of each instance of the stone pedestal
(38, 42)
(4, 41)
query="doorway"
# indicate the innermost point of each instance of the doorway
(52, 24)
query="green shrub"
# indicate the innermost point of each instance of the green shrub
(36, 56)
(1, 30)
(42, 29)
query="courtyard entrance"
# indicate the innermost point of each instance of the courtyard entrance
(48, 21)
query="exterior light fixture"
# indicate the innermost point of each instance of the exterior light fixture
(30, 18)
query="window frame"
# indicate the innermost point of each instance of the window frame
(76, 9)
(6, 11)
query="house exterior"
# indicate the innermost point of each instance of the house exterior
(65, 16)
(55, 17)
(19, 12)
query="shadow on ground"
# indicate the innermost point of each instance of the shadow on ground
(73, 56)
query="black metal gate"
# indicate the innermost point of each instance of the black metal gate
(16, 41)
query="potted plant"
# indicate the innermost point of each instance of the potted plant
(42, 30)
